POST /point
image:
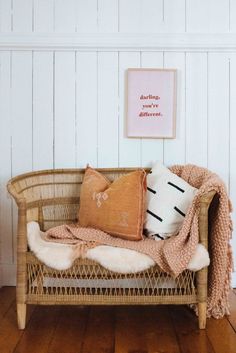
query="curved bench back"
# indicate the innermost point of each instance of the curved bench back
(52, 196)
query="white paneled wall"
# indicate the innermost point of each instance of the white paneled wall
(64, 109)
(43, 110)
(208, 16)
(110, 16)
(174, 150)
(86, 108)
(196, 128)
(65, 106)
(218, 114)
(107, 109)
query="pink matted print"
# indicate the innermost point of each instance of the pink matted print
(151, 103)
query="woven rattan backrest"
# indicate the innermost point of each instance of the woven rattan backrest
(52, 196)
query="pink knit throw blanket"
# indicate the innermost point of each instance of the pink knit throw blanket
(174, 254)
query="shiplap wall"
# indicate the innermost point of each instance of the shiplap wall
(65, 108)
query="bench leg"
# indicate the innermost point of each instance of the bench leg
(202, 297)
(21, 315)
(202, 315)
(21, 280)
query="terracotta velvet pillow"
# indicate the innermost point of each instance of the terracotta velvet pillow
(116, 208)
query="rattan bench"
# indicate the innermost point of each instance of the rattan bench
(51, 197)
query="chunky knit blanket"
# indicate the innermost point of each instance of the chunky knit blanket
(174, 254)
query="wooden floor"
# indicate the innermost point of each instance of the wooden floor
(77, 329)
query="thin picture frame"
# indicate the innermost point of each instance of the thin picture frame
(150, 103)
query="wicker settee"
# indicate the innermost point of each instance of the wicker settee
(51, 197)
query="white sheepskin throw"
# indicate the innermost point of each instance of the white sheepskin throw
(119, 259)
(200, 259)
(55, 255)
(62, 256)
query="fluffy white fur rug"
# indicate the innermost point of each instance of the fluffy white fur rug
(61, 256)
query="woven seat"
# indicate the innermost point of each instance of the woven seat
(51, 198)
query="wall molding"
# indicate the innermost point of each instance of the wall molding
(120, 42)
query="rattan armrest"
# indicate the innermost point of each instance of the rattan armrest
(205, 202)
(22, 220)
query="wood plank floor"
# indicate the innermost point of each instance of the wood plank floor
(143, 329)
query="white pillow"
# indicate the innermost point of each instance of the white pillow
(168, 200)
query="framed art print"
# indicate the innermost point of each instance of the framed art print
(151, 103)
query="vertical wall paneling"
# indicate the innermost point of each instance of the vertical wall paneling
(219, 16)
(108, 109)
(174, 16)
(196, 108)
(207, 16)
(174, 149)
(218, 119)
(86, 16)
(65, 120)
(43, 110)
(22, 16)
(141, 16)
(151, 16)
(5, 15)
(198, 13)
(152, 149)
(232, 16)
(21, 105)
(129, 148)
(65, 16)
(21, 108)
(86, 109)
(6, 244)
(130, 15)
(108, 16)
(232, 180)
(43, 16)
